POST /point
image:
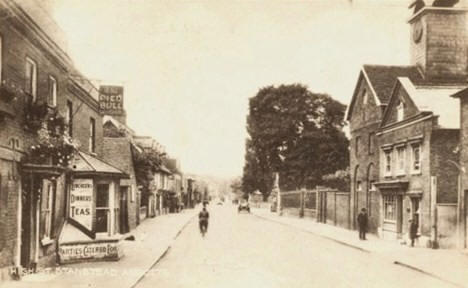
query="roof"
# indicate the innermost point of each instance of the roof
(116, 123)
(382, 78)
(436, 99)
(87, 164)
(163, 168)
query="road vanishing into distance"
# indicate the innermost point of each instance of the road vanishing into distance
(243, 250)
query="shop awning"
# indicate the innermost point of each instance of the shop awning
(392, 186)
(85, 164)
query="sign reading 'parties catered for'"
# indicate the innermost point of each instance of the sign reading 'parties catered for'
(81, 202)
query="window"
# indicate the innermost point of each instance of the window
(389, 202)
(47, 204)
(416, 158)
(372, 186)
(92, 135)
(400, 160)
(358, 186)
(52, 97)
(357, 143)
(102, 209)
(371, 143)
(31, 79)
(1, 58)
(388, 162)
(400, 111)
(364, 96)
(69, 118)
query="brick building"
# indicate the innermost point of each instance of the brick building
(405, 133)
(50, 142)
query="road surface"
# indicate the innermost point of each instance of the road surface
(242, 250)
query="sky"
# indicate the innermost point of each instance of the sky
(190, 66)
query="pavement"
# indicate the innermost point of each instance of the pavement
(153, 239)
(450, 266)
(242, 250)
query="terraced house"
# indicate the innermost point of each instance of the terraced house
(405, 133)
(56, 193)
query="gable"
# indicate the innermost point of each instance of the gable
(364, 106)
(400, 102)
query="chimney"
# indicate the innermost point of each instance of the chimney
(439, 43)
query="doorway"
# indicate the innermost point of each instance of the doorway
(123, 210)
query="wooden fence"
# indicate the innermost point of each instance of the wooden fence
(325, 205)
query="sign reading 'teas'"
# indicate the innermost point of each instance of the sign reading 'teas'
(81, 202)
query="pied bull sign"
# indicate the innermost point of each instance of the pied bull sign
(81, 202)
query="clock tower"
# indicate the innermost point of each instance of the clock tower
(439, 43)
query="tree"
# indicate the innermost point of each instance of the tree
(294, 132)
(146, 163)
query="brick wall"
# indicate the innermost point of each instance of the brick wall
(364, 158)
(444, 144)
(117, 151)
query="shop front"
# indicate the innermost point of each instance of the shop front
(93, 229)
(391, 212)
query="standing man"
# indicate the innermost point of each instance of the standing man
(413, 231)
(362, 223)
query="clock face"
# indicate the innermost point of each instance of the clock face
(417, 32)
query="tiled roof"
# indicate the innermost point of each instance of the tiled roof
(383, 78)
(87, 164)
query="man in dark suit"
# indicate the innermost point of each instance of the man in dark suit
(362, 223)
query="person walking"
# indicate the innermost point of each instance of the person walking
(203, 217)
(413, 231)
(362, 223)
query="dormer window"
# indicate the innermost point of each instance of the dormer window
(400, 111)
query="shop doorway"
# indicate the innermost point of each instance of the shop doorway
(123, 210)
(415, 217)
(31, 190)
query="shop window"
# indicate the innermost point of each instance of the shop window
(47, 208)
(400, 151)
(52, 97)
(92, 135)
(389, 203)
(416, 158)
(31, 79)
(102, 208)
(69, 118)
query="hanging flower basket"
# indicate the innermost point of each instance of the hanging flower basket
(9, 91)
(35, 114)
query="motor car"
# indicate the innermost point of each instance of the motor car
(243, 206)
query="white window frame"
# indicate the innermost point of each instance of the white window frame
(33, 79)
(52, 91)
(365, 96)
(400, 111)
(48, 195)
(359, 186)
(92, 135)
(110, 210)
(387, 163)
(400, 160)
(415, 146)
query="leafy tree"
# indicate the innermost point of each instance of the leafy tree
(296, 133)
(146, 163)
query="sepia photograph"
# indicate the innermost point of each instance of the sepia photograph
(233, 143)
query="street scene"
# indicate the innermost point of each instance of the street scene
(227, 143)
